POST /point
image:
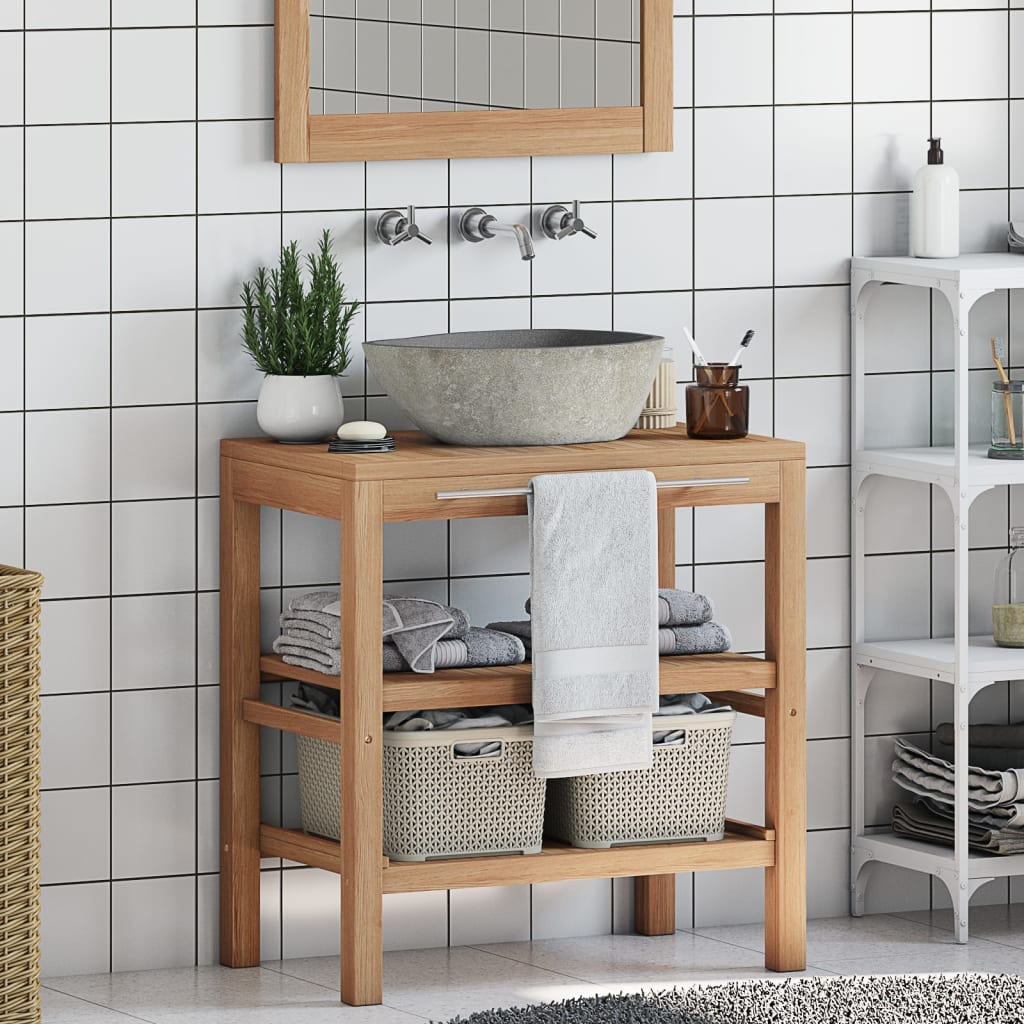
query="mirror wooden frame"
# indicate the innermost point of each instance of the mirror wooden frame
(301, 137)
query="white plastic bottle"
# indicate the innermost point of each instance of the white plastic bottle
(935, 208)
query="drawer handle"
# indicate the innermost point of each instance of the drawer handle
(516, 492)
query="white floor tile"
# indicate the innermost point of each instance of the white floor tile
(656, 961)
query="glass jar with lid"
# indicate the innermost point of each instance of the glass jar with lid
(1008, 598)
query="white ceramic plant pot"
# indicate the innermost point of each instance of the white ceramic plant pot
(300, 410)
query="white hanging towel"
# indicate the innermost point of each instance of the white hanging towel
(594, 609)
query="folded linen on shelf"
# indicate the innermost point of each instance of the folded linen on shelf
(413, 624)
(434, 719)
(678, 607)
(325, 702)
(927, 775)
(1008, 816)
(996, 759)
(919, 823)
(689, 704)
(479, 648)
(593, 554)
(707, 638)
(1004, 737)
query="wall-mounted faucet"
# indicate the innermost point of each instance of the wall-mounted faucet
(557, 222)
(395, 227)
(478, 225)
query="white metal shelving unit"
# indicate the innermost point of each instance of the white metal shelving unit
(968, 663)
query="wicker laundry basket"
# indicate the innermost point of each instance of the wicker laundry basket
(19, 794)
(437, 804)
(681, 798)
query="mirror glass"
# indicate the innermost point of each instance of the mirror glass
(400, 56)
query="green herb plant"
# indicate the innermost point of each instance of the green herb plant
(290, 331)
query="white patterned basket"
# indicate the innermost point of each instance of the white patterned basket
(681, 798)
(437, 804)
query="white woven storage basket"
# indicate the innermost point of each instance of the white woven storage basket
(681, 798)
(435, 803)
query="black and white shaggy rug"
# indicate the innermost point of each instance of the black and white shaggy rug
(889, 999)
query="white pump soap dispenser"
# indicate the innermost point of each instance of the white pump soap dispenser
(935, 208)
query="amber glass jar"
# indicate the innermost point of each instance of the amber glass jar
(717, 406)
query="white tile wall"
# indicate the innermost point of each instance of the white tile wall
(137, 190)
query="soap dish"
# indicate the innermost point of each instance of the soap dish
(379, 444)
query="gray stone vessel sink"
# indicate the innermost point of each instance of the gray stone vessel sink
(519, 387)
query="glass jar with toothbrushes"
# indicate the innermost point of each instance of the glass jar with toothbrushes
(1007, 409)
(717, 405)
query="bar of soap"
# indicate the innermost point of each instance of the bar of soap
(362, 430)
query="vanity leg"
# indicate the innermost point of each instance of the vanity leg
(654, 896)
(785, 724)
(239, 740)
(362, 710)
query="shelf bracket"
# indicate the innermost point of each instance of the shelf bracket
(862, 866)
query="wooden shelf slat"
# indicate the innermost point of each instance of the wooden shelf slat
(743, 702)
(482, 687)
(556, 862)
(297, 722)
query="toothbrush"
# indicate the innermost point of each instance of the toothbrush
(747, 339)
(999, 357)
(698, 355)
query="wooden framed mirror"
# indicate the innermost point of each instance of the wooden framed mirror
(432, 79)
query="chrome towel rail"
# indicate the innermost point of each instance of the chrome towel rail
(513, 492)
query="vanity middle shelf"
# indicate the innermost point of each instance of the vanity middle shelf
(728, 675)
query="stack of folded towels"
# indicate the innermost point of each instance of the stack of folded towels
(418, 636)
(995, 800)
(684, 621)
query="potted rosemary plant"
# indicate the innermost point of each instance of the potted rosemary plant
(298, 337)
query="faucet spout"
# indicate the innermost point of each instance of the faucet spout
(521, 233)
(477, 225)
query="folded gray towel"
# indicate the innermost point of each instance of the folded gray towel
(1006, 816)
(708, 638)
(996, 759)
(1007, 737)
(519, 629)
(412, 624)
(593, 556)
(480, 648)
(918, 823)
(328, 626)
(683, 608)
(678, 607)
(927, 775)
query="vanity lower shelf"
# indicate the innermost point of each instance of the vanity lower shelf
(482, 687)
(744, 846)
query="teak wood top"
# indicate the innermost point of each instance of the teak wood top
(420, 457)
